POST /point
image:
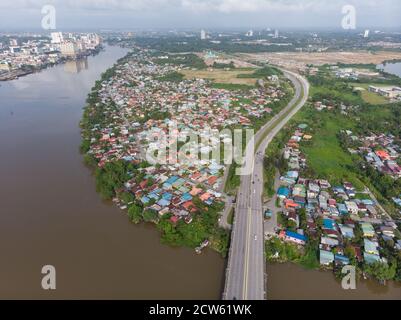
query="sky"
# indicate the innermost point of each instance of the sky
(192, 14)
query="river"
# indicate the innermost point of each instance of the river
(50, 213)
(393, 68)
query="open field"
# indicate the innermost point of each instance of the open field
(370, 97)
(373, 98)
(300, 60)
(324, 154)
(221, 76)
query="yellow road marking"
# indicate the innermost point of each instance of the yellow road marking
(245, 289)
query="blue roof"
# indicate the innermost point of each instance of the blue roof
(371, 258)
(163, 203)
(368, 202)
(145, 200)
(338, 189)
(167, 196)
(341, 258)
(283, 191)
(342, 208)
(296, 235)
(186, 197)
(153, 195)
(292, 174)
(172, 179)
(328, 224)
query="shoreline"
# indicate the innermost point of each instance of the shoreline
(19, 73)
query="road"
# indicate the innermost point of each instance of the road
(245, 274)
(270, 225)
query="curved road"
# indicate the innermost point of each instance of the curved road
(245, 274)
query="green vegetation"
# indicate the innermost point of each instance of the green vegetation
(186, 44)
(230, 217)
(204, 226)
(326, 158)
(135, 213)
(262, 73)
(278, 251)
(373, 98)
(233, 180)
(188, 60)
(231, 86)
(381, 271)
(230, 65)
(172, 77)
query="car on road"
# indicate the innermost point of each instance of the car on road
(268, 214)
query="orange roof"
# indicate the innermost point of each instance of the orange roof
(205, 196)
(188, 204)
(195, 191)
(212, 180)
(382, 154)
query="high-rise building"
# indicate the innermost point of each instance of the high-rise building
(57, 37)
(15, 49)
(13, 42)
(69, 49)
(366, 34)
(276, 33)
(203, 35)
(249, 33)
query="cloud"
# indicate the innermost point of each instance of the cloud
(225, 6)
(173, 13)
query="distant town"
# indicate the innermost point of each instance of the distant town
(24, 54)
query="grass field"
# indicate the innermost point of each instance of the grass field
(371, 97)
(222, 76)
(325, 155)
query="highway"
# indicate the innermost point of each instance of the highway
(245, 274)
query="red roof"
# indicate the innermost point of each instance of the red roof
(212, 180)
(174, 219)
(143, 184)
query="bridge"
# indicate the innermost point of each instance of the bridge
(245, 274)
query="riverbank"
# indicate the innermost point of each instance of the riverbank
(16, 74)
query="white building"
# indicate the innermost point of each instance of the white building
(366, 34)
(57, 37)
(203, 35)
(249, 33)
(13, 42)
(68, 49)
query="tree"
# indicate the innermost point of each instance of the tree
(135, 213)
(150, 216)
(381, 271)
